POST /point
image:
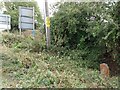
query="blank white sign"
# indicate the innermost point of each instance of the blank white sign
(27, 20)
(26, 26)
(4, 26)
(26, 11)
(5, 21)
(2, 18)
(26, 17)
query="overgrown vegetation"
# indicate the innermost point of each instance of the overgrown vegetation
(46, 69)
(29, 43)
(83, 35)
(91, 27)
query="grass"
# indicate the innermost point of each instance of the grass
(43, 69)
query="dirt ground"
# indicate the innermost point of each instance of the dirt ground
(113, 65)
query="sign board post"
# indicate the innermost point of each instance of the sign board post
(47, 23)
(26, 19)
(5, 21)
(33, 30)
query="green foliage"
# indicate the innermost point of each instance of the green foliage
(49, 71)
(65, 23)
(13, 10)
(87, 26)
(116, 33)
(81, 33)
(9, 39)
(1, 5)
(23, 43)
(68, 68)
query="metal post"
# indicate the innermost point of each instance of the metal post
(7, 22)
(47, 27)
(20, 31)
(20, 20)
(33, 31)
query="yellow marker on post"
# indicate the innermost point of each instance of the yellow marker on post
(48, 22)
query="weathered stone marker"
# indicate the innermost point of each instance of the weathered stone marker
(104, 69)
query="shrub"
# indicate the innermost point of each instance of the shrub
(23, 43)
(81, 26)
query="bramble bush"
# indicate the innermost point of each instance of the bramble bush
(90, 27)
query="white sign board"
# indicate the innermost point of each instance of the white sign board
(26, 18)
(5, 22)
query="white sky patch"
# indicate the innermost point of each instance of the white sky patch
(41, 4)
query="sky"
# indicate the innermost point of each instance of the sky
(41, 4)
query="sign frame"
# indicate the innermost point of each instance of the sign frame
(25, 19)
(5, 22)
